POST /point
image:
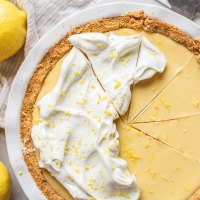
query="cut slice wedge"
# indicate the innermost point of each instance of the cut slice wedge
(143, 92)
(162, 172)
(179, 99)
(181, 134)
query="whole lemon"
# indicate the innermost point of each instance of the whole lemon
(12, 29)
(4, 183)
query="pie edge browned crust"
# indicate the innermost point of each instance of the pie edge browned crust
(137, 20)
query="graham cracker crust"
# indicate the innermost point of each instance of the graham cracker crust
(134, 20)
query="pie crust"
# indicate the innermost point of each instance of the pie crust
(134, 20)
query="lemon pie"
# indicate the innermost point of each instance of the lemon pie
(112, 112)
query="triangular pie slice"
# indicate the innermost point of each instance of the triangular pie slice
(181, 134)
(162, 172)
(179, 99)
(177, 56)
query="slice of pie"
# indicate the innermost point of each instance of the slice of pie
(112, 111)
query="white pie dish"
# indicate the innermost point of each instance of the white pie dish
(22, 78)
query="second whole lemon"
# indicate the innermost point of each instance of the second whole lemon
(12, 29)
(4, 183)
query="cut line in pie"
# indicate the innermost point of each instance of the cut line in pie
(181, 134)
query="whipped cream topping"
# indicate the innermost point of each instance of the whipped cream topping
(77, 138)
(119, 62)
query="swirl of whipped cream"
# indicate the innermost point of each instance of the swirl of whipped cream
(119, 62)
(77, 138)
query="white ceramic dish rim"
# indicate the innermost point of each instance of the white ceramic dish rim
(12, 122)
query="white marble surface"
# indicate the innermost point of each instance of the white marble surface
(17, 192)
